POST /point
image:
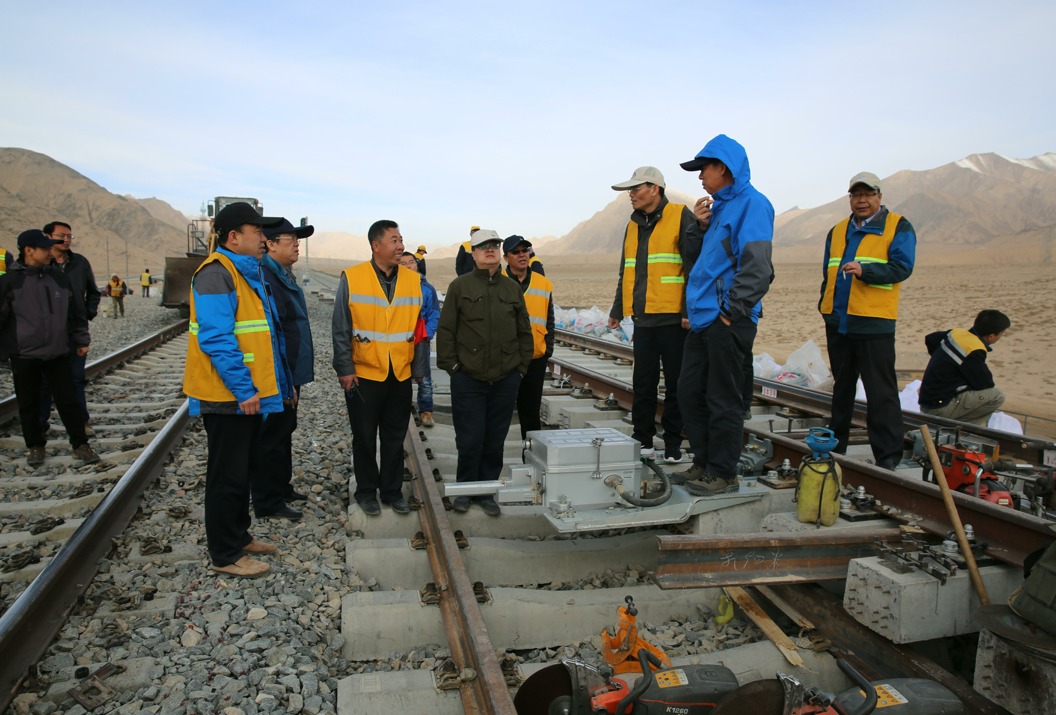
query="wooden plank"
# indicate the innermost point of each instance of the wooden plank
(761, 619)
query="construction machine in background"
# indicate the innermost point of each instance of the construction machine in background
(201, 240)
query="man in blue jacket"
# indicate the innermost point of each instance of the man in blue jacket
(723, 300)
(430, 318)
(235, 374)
(271, 466)
(867, 257)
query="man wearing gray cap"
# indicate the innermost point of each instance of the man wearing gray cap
(660, 244)
(867, 257)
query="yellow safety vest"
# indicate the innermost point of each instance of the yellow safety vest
(383, 332)
(115, 289)
(144, 278)
(537, 301)
(467, 246)
(200, 379)
(3, 261)
(878, 300)
(963, 342)
(419, 255)
(665, 292)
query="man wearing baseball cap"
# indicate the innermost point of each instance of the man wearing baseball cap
(484, 342)
(234, 375)
(271, 466)
(660, 244)
(867, 257)
(40, 319)
(419, 257)
(538, 299)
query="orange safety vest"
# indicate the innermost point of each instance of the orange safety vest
(537, 301)
(3, 261)
(115, 289)
(876, 300)
(665, 292)
(383, 332)
(200, 379)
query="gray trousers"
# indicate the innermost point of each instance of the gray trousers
(973, 406)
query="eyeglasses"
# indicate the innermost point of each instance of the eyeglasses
(489, 247)
(864, 194)
(518, 251)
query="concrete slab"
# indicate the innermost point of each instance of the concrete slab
(912, 607)
(505, 562)
(415, 691)
(378, 623)
(1015, 678)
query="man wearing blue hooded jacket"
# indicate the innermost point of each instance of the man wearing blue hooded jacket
(234, 375)
(723, 300)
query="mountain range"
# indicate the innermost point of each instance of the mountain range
(985, 207)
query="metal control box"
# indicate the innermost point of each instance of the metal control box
(571, 466)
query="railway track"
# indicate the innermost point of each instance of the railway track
(436, 611)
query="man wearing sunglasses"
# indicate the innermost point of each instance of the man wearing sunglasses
(867, 257)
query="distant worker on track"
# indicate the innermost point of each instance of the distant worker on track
(145, 281)
(5, 260)
(464, 260)
(867, 257)
(376, 311)
(41, 324)
(235, 374)
(271, 466)
(957, 383)
(661, 242)
(419, 257)
(117, 289)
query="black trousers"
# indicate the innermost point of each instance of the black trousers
(712, 393)
(29, 377)
(530, 396)
(232, 439)
(76, 365)
(872, 357)
(481, 412)
(380, 412)
(654, 347)
(271, 466)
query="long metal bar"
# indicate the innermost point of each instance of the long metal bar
(9, 405)
(40, 611)
(764, 558)
(484, 687)
(1011, 535)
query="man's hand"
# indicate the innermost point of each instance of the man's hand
(685, 323)
(296, 396)
(613, 324)
(347, 381)
(725, 320)
(250, 406)
(852, 267)
(702, 210)
(82, 351)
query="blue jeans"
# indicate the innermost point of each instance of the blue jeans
(425, 394)
(482, 412)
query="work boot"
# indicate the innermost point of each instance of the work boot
(400, 506)
(244, 567)
(259, 547)
(36, 457)
(460, 504)
(427, 419)
(86, 454)
(709, 484)
(370, 506)
(282, 512)
(489, 505)
(295, 495)
(88, 430)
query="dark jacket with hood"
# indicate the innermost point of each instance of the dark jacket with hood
(293, 319)
(39, 315)
(734, 269)
(78, 271)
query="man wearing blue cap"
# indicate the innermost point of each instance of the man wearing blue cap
(40, 319)
(724, 302)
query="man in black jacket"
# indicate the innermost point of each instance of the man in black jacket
(41, 323)
(78, 272)
(957, 383)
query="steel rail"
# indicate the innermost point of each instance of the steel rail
(27, 628)
(483, 687)
(9, 404)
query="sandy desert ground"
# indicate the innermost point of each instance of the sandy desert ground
(936, 297)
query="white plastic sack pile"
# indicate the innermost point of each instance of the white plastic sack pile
(805, 366)
(765, 367)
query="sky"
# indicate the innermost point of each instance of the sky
(513, 116)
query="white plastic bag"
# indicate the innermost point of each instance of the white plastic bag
(765, 367)
(1005, 423)
(808, 362)
(910, 396)
(627, 326)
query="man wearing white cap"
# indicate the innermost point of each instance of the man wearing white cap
(867, 257)
(660, 244)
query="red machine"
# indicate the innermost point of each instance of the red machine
(968, 471)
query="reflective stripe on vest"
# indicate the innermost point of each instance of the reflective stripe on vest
(866, 300)
(200, 379)
(960, 343)
(537, 302)
(665, 291)
(3, 261)
(383, 331)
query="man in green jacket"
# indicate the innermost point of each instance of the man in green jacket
(484, 341)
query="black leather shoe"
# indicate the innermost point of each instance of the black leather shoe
(489, 505)
(400, 506)
(370, 507)
(460, 504)
(283, 512)
(295, 496)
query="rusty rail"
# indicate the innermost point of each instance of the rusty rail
(483, 686)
